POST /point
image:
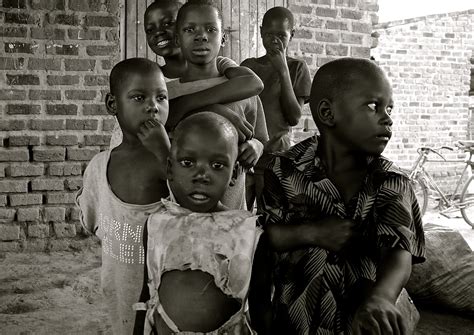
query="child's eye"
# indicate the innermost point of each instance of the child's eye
(188, 29)
(217, 166)
(186, 163)
(211, 29)
(138, 97)
(161, 98)
(389, 110)
(372, 106)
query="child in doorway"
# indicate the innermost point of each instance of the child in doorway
(199, 34)
(199, 254)
(287, 87)
(122, 186)
(344, 221)
(160, 18)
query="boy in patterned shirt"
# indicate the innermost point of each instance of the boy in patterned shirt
(343, 219)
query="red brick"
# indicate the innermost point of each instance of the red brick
(336, 25)
(60, 140)
(352, 38)
(98, 109)
(25, 170)
(84, 34)
(79, 64)
(25, 199)
(108, 124)
(81, 124)
(10, 247)
(336, 50)
(97, 139)
(93, 80)
(326, 12)
(73, 184)
(61, 109)
(360, 27)
(8, 63)
(301, 9)
(106, 64)
(9, 94)
(47, 184)
(28, 214)
(47, 124)
(324, 60)
(46, 64)
(101, 21)
(45, 95)
(326, 37)
(80, 94)
(49, 155)
(13, 32)
(75, 214)
(9, 232)
(23, 140)
(362, 52)
(48, 4)
(22, 79)
(13, 186)
(62, 80)
(66, 19)
(22, 18)
(38, 230)
(3, 200)
(54, 198)
(65, 49)
(65, 169)
(23, 109)
(112, 35)
(351, 14)
(347, 3)
(17, 4)
(74, 154)
(304, 34)
(20, 47)
(54, 214)
(9, 125)
(101, 50)
(322, 2)
(84, 5)
(48, 33)
(13, 155)
(314, 48)
(64, 230)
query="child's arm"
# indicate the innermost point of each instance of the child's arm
(260, 305)
(290, 103)
(243, 83)
(377, 314)
(154, 137)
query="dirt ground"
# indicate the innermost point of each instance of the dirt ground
(58, 293)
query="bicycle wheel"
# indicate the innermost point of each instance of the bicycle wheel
(421, 192)
(467, 202)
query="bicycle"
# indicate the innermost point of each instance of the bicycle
(423, 182)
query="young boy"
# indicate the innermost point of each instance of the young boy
(124, 185)
(159, 19)
(199, 34)
(343, 219)
(287, 87)
(199, 253)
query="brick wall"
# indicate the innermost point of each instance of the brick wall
(428, 62)
(326, 30)
(55, 58)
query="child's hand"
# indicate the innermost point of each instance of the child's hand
(377, 315)
(244, 128)
(333, 233)
(154, 137)
(249, 153)
(277, 56)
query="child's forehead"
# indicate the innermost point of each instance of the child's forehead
(139, 79)
(277, 23)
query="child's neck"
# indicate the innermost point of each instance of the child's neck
(338, 159)
(200, 71)
(174, 67)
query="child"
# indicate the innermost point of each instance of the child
(287, 86)
(200, 254)
(199, 34)
(343, 219)
(122, 186)
(160, 18)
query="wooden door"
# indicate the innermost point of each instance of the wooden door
(241, 19)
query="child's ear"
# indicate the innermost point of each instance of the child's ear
(224, 39)
(235, 171)
(169, 174)
(325, 112)
(176, 40)
(111, 104)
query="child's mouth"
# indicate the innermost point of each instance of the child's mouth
(200, 52)
(199, 197)
(163, 43)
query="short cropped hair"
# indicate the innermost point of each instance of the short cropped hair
(278, 13)
(129, 66)
(162, 3)
(197, 3)
(338, 76)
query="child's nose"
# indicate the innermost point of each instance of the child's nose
(202, 175)
(201, 36)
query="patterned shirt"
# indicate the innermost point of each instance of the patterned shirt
(316, 291)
